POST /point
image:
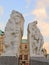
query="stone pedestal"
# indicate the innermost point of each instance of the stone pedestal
(12, 60)
(39, 61)
(8, 60)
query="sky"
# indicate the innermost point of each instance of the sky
(32, 10)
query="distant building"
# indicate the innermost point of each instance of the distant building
(1, 41)
(24, 53)
(47, 56)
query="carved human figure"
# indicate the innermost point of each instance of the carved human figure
(35, 38)
(13, 34)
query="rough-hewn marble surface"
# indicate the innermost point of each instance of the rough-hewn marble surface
(13, 34)
(35, 39)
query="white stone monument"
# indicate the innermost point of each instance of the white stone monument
(35, 39)
(13, 34)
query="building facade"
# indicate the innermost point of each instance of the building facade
(1, 41)
(48, 56)
(24, 56)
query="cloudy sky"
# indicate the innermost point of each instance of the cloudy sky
(31, 10)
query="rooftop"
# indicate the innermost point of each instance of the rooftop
(24, 40)
(1, 32)
(47, 54)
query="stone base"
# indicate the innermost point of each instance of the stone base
(8, 60)
(39, 61)
(12, 60)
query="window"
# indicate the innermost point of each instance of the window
(20, 64)
(25, 57)
(23, 62)
(26, 64)
(25, 46)
(20, 57)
